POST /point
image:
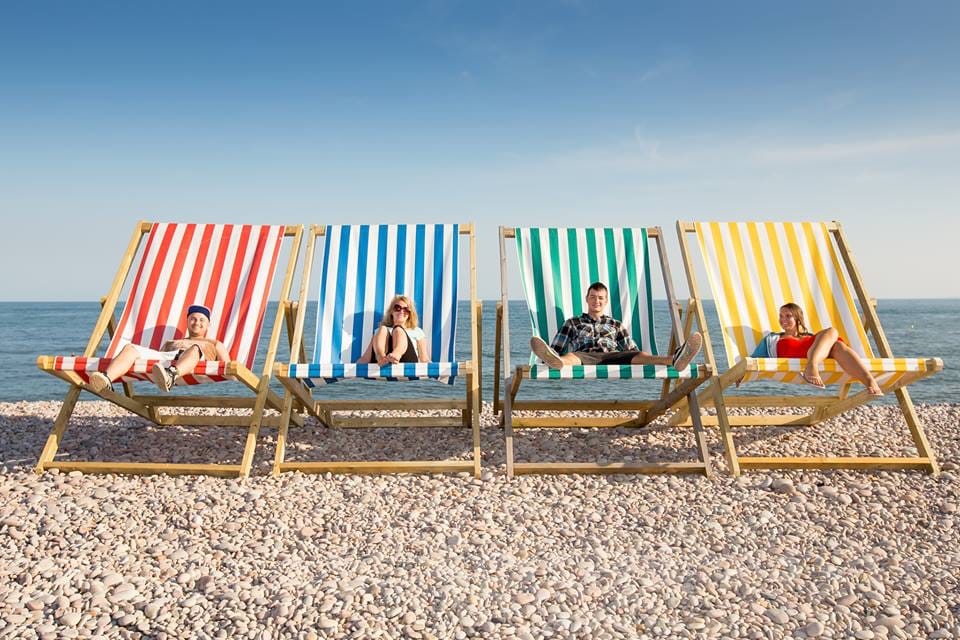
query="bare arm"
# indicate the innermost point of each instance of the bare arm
(422, 350)
(222, 353)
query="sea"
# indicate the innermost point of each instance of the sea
(914, 328)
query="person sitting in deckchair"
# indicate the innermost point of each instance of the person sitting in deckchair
(177, 358)
(398, 338)
(594, 338)
(797, 342)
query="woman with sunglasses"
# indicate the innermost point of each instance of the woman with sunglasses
(398, 338)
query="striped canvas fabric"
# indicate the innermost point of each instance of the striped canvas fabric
(228, 268)
(557, 265)
(364, 267)
(755, 267)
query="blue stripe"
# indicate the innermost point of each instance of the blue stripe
(439, 248)
(323, 296)
(341, 286)
(381, 275)
(400, 287)
(418, 258)
(356, 349)
(455, 279)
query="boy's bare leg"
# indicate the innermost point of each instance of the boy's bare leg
(122, 362)
(645, 358)
(187, 361)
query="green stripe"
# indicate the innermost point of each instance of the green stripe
(592, 255)
(556, 268)
(539, 298)
(578, 372)
(646, 274)
(576, 296)
(523, 277)
(602, 371)
(613, 275)
(636, 330)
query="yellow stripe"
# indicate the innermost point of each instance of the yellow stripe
(780, 265)
(728, 292)
(771, 310)
(830, 296)
(746, 285)
(809, 307)
(861, 332)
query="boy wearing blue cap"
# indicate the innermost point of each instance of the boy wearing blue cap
(177, 358)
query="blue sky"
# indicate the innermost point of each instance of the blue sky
(518, 113)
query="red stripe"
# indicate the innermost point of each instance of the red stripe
(252, 273)
(210, 295)
(164, 318)
(258, 327)
(194, 283)
(152, 282)
(230, 299)
(125, 318)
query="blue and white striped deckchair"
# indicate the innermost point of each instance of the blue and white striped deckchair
(363, 268)
(557, 265)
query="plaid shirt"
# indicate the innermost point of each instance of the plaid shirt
(583, 333)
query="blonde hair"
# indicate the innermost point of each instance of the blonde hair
(797, 312)
(412, 318)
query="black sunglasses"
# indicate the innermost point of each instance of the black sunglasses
(400, 307)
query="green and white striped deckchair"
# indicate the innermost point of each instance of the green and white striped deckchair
(557, 265)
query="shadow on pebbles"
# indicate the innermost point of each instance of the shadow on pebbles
(833, 554)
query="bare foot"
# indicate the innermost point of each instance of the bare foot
(874, 390)
(812, 377)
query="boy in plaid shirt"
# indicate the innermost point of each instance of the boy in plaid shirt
(594, 338)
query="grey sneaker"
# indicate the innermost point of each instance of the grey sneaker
(99, 382)
(162, 377)
(545, 353)
(683, 356)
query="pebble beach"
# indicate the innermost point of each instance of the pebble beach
(796, 554)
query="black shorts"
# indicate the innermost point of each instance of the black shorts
(600, 357)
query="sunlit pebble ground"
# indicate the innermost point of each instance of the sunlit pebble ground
(772, 554)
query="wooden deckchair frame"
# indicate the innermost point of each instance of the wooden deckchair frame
(155, 408)
(823, 408)
(646, 411)
(325, 410)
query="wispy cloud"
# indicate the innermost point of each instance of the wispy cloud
(836, 151)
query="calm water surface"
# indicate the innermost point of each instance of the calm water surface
(28, 329)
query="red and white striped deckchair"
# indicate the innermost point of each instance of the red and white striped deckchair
(753, 268)
(227, 268)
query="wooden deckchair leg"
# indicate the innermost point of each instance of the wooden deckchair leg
(281, 450)
(497, 340)
(726, 435)
(916, 429)
(703, 451)
(256, 419)
(59, 426)
(473, 381)
(508, 424)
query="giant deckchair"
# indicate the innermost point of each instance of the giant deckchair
(557, 265)
(228, 268)
(364, 266)
(753, 269)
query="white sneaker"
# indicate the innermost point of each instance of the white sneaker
(161, 377)
(99, 382)
(545, 352)
(683, 356)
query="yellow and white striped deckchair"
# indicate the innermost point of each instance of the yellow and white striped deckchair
(557, 266)
(753, 269)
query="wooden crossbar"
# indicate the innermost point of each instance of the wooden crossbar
(382, 466)
(145, 468)
(613, 467)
